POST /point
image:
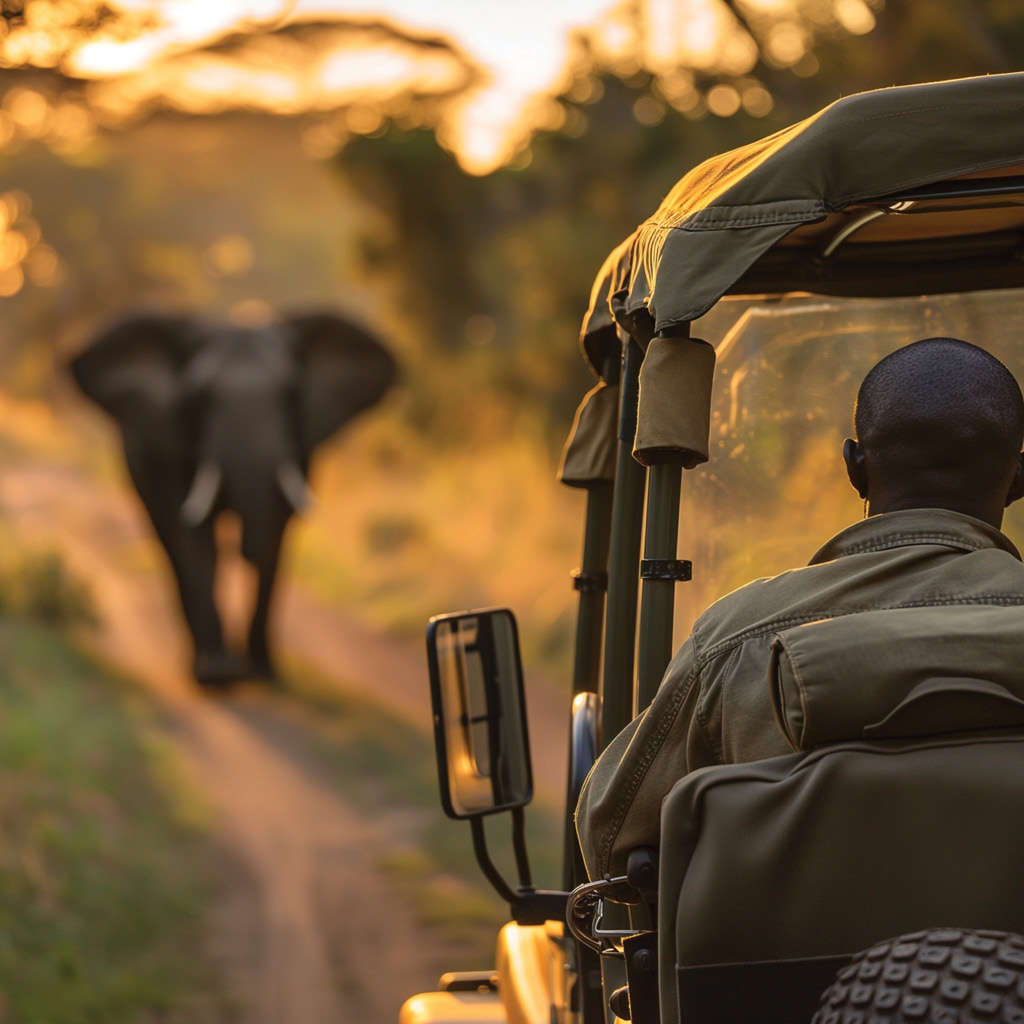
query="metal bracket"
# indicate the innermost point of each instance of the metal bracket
(585, 913)
(675, 570)
(589, 582)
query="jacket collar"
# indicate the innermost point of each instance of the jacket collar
(937, 526)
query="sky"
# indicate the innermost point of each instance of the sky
(524, 44)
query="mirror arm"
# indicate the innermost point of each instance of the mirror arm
(519, 845)
(528, 905)
(487, 866)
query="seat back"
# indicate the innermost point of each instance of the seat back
(821, 854)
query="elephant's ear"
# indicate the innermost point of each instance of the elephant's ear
(134, 364)
(343, 370)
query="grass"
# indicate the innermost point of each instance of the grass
(403, 532)
(104, 870)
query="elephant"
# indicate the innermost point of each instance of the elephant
(220, 417)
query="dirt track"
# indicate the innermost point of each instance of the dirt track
(308, 928)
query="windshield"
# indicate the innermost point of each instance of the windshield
(775, 488)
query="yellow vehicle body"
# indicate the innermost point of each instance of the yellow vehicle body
(530, 986)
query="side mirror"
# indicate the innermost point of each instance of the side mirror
(476, 688)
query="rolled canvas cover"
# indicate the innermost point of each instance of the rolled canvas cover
(674, 412)
(589, 454)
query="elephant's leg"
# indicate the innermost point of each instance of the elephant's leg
(259, 644)
(214, 665)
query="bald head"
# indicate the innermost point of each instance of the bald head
(940, 424)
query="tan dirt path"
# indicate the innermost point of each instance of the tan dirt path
(300, 858)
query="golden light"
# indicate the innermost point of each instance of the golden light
(770, 6)
(757, 100)
(363, 120)
(109, 58)
(649, 111)
(13, 249)
(229, 256)
(786, 43)
(705, 25)
(43, 265)
(21, 246)
(664, 27)
(11, 281)
(29, 111)
(723, 100)
(489, 71)
(855, 16)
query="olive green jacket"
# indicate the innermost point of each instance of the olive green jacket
(714, 706)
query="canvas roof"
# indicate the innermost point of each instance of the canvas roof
(774, 216)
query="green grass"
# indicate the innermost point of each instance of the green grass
(104, 867)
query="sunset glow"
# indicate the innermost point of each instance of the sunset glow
(487, 69)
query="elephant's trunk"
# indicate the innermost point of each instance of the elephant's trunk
(292, 483)
(202, 496)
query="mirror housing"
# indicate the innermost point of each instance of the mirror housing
(479, 706)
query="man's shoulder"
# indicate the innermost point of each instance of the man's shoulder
(758, 603)
(918, 570)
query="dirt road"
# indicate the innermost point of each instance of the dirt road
(307, 926)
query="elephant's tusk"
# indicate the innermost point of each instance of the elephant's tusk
(293, 486)
(202, 496)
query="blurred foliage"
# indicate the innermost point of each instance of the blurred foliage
(204, 215)
(37, 585)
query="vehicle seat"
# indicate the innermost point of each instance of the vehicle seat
(774, 873)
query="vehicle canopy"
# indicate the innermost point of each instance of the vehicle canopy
(915, 168)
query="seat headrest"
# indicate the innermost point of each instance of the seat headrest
(900, 672)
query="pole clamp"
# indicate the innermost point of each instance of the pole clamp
(675, 570)
(589, 582)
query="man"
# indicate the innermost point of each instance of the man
(939, 425)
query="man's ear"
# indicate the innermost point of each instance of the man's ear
(1017, 483)
(853, 456)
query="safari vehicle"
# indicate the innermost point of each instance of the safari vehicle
(801, 259)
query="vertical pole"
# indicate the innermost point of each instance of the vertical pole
(592, 583)
(623, 560)
(660, 571)
(657, 606)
